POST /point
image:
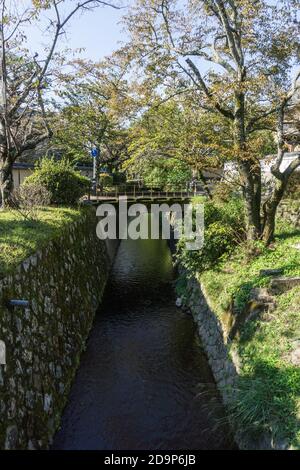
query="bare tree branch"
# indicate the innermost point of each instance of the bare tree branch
(59, 27)
(202, 85)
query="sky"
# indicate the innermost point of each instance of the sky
(99, 32)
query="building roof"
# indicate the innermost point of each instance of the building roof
(23, 166)
(30, 166)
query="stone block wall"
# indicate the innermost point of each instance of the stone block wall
(63, 283)
(289, 211)
(212, 335)
(224, 362)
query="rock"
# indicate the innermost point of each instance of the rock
(26, 265)
(296, 246)
(11, 437)
(294, 356)
(2, 353)
(178, 302)
(47, 402)
(45, 340)
(270, 272)
(283, 284)
(261, 295)
(32, 445)
(34, 260)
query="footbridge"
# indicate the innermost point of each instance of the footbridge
(135, 195)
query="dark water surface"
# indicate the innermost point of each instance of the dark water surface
(144, 382)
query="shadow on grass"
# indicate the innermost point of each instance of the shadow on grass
(285, 234)
(267, 400)
(245, 307)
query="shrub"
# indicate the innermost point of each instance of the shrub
(224, 229)
(119, 178)
(105, 180)
(65, 185)
(27, 199)
(167, 174)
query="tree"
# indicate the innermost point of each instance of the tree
(25, 78)
(96, 107)
(175, 130)
(170, 175)
(236, 58)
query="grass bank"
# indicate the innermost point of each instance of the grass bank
(268, 395)
(20, 237)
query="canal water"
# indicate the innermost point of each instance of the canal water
(144, 381)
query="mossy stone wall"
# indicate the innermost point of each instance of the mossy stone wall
(64, 284)
(290, 211)
(224, 362)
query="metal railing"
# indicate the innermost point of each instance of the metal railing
(149, 193)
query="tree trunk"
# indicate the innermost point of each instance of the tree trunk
(205, 184)
(270, 209)
(269, 225)
(6, 182)
(250, 172)
(252, 199)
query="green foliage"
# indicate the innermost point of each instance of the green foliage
(65, 185)
(181, 286)
(237, 275)
(224, 226)
(105, 180)
(169, 175)
(95, 112)
(267, 399)
(268, 393)
(175, 132)
(79, 125)
(119, 178)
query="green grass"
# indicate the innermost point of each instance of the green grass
(268, 395)
(20, 237)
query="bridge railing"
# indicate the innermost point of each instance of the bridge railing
(151, 193)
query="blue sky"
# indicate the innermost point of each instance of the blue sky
(99, 32)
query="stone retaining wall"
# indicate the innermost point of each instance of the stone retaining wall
(224, 362)
(64, 284)
(290, 211)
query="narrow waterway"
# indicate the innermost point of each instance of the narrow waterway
(144, 381)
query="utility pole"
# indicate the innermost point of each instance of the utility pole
(95, 152)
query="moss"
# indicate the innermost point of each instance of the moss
(64, 288)
(20, 237)
(268, 395)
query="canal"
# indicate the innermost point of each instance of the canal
(144, 381)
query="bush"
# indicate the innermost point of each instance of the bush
(169, 175)
(65, 185)
(28, 198)
(119, 178)
(224, 229)
(105, 180)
